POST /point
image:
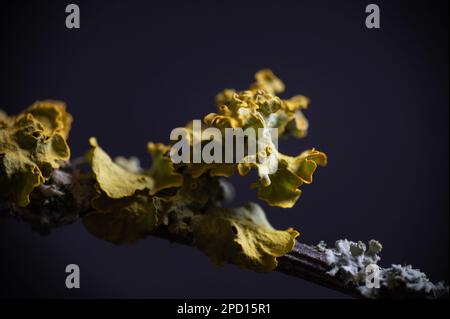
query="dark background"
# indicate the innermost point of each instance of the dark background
(137, 69)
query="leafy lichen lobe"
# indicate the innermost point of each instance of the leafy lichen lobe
(32, 145)
(186, 199)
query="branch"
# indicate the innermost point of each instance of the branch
(53, 205)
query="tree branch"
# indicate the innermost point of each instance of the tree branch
(53, 205)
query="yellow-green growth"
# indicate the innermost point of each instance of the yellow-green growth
(241, 236)
(129, 202)
(32, 145)
(113, 179)
(123, 220)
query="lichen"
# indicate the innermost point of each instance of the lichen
(348, 261)
(131, 164)
(128, 202)
(259, 107)
(122, 220)
(186, 197)
(113, 179)
(32, 145)
(405, 277)
(241, 236)
(283, 189)
(162, 171)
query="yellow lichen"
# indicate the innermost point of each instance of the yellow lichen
(53, 116)
(121, 221)
(266, 80)
(215, 169)
(113, 179)
(32, 145)
(162, 171)
(129, 203)
(258, 108)
(241, 236)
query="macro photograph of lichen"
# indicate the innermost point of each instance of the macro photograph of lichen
(224, 158)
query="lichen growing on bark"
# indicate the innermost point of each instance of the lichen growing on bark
(348, 261)
(32, 145)
(130, 202)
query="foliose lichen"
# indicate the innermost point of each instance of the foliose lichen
(129, 202)
(348, 260)
(32, 145)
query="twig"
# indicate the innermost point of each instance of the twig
(53, 205)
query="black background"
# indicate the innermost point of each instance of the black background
(137, 69)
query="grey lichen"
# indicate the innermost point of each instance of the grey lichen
(132, 164)
(321, 246)
(349, 261)
(411, 279)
